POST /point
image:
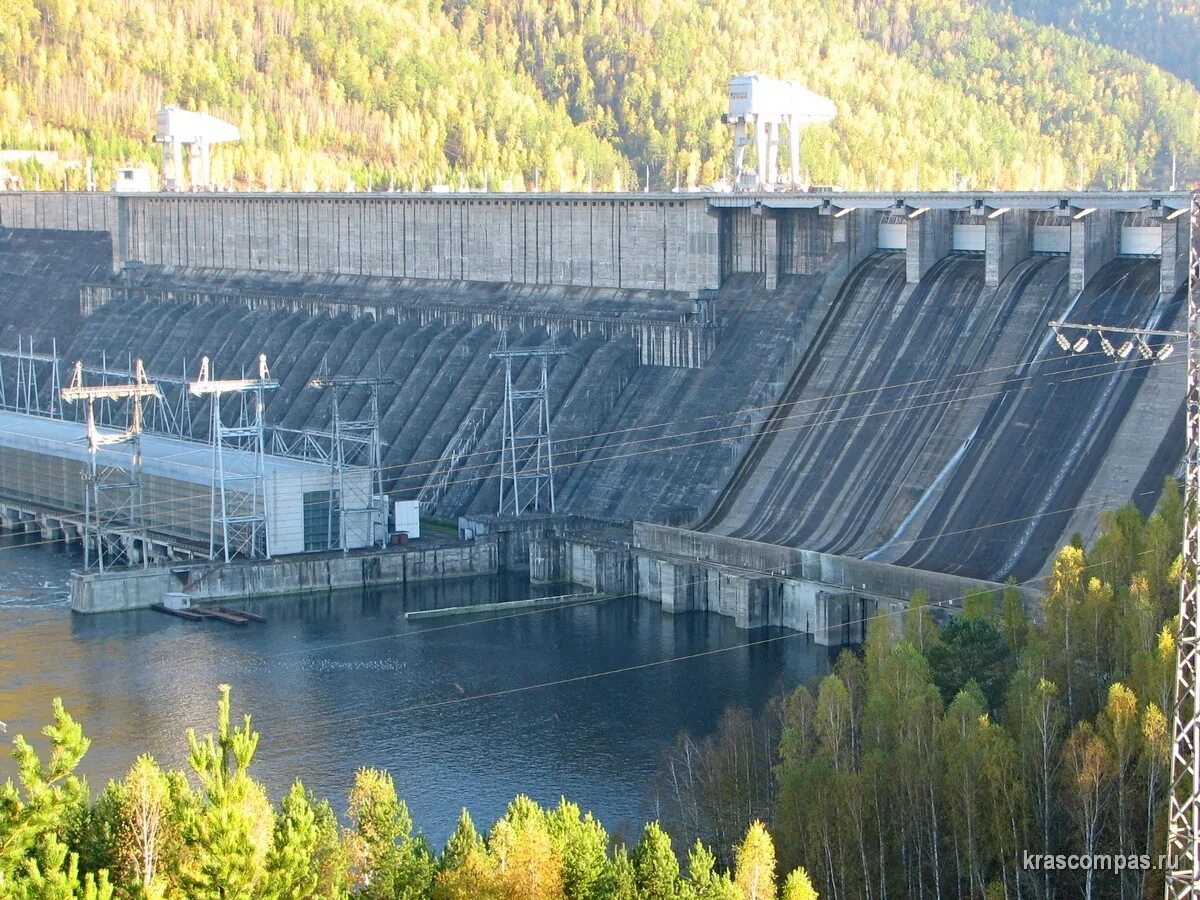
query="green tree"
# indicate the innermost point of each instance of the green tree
(530, 866)
(230, 833)
(46, 797)
(655, 865)
(582, 843)
(971, 650)
(620, 882)
(467, 870)
(1012, 613)
(798, 886)
(386, 860)
(920, 628)
(304, 844)
(147, 828)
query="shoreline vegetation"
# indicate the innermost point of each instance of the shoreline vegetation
(929, 762)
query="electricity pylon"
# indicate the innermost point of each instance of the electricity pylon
(94, 519)
(350, 437)
(526, 420)
(239, 515)
(1183, 825)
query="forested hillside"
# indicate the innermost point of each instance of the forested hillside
(1164, 32)
(521, 93)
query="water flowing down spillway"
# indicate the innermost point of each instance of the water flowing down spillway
(927, 415)
(1044, 437)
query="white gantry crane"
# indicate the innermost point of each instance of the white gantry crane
(759, 109)
(179, 128)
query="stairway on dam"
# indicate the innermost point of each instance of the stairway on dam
(939, 425)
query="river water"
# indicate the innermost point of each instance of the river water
(463, 712)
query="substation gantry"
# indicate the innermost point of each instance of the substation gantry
(238, 503)
(113, 512)
(354, 442)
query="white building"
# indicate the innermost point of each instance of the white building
(43, 462)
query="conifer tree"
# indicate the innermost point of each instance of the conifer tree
(656, 866)
(582, 843)
(292, 862)
(620, 879)
(467, 869)
(229, 835)
(386, 860)
(798, 886)
(46, 796)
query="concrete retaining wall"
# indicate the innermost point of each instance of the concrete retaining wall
(207, 581)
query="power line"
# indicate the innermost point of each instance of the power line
(1020, 383)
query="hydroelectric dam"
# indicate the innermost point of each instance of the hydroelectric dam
(787, 407)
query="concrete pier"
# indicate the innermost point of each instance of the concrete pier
(930, 235)
(1093, 243)
(1175, 250)
(834, 598)
(1007, 240)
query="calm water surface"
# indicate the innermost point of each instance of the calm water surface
(462, 712)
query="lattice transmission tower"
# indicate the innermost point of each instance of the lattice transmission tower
(354, 443)
(526, 463)
(238, 522)
(1183, 825)
(112, 504)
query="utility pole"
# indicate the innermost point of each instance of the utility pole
(240, 515)
(1183, 823)
(348, 437)
(94, 517)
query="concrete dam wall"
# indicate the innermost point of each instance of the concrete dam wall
(40, 277)
(851, 375)
(652, 405)
(939, 425)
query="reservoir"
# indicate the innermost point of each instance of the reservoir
(579, 702)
